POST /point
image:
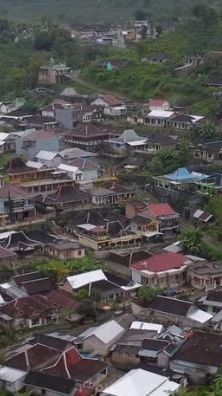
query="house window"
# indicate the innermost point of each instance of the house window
(35, 322)
(79, 252)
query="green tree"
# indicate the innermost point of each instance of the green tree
(147, 294)
(192, 240)
(206, 131)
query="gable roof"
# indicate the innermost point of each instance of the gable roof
(162, 262)
(140, 382)
(13, 191)
(31, 357)
(47, 155)
(50, 382)
(201, 348)
(106, 332)
(80, 280)
(158, 210)
(70, 364)
(158, 102)
(27, 307)
(170, 306)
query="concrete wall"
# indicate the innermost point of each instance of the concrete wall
(93, 344)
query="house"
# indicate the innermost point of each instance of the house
(11, 379)
(90, 170)
(32, 283)
(40, 383)
(167, 309)
(104, 287)
(161, 271)
(72, 172)
(209, 185)
(30, 311)
(202, 217)
(133, 207)
(90, 135)
(113, 107)
(159, 105)
(120, 262)
(65, 197)
(199, 356)
(212, 302)
(63, 249)
(7, 143)
(15, 204)
(100, 339)
(126, 352)
(160, 218)
(18, 242)
(208, 151)
(205, 276)
(156, 59)
(86, 372)
(52, 73)
(110, 194)
(128, 140)
(103, 230)
(139, 382)
(171, 119)
(49, 158)
(74, 153)
(30, 144)
(19, 171)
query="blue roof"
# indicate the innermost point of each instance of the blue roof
(183, 174)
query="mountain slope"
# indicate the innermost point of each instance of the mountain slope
(87, 11)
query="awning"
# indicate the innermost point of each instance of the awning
(152, 234)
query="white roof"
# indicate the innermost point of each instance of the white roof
(69, 168)
(147, 326)
(160, 114)
(34, 164)
(46, 155)
(2, 301)
(10, 374)
(175, 247)
(137, 142)
(150, 234)
(140, 382)
(3, 136)
(198, 213)
(87, 227)
(76, 152)
(4, 235)
(80, 280)
(106, 332)
(196, 118)
(200, 316)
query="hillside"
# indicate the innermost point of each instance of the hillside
(91, 11)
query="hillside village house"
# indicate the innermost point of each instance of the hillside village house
(157, 218)
(127, 141)
(199, 356)
(113, 107)
(161, 271)
(33, 142)
(52, 73)
(18, 171)
(15, 204)
(205, 276)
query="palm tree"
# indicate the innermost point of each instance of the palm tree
(192, 240)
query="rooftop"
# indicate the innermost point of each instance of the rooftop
(170, 306)
(161, 210)
(139, 382)
(162, 262)
(202, 348)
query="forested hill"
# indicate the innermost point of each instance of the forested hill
(91, 11)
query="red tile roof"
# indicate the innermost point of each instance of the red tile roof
(157, 102)
(63, 299)
(32, 357)
(72, 365)
(27, 307)
(14, 191)
(112, 100)
(161, 262)
(158, 210)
